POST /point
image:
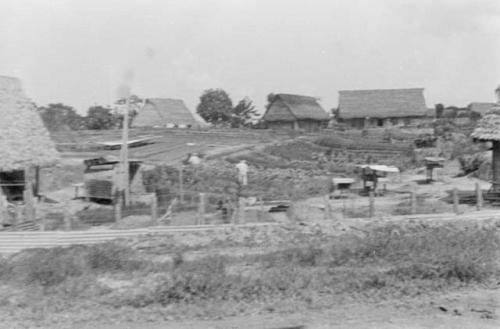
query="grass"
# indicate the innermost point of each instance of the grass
(389, 261)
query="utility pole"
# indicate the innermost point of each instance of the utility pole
(124, 156)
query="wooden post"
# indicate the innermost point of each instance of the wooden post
(479, 197)
(37, 181)
(201, 209)
(4, 213)
(181, 185)
(343, 207)
(29, 202)
(455, 200)
(19, 214)
(413, 200)
(118, 208)
(154, 209)
(261, 209)
(68, 225)
(241, 210)
(124, 156)
(327, 211)
(372, 204)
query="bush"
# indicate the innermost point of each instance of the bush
(112, 257)
(51, 267)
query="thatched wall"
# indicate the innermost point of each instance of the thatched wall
(24, 140)
(488, 128)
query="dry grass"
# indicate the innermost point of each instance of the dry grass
(389, 261)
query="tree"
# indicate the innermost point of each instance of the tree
(58, 117)
(439, 110)
(99, 117)
(243, 113)
(215, 106)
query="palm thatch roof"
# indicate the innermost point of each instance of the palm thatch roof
(164, 111)
(480, 107)
(382, 103)
(287, 107)
(24, 140)
(488, 128)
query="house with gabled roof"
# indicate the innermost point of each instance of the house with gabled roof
(295, 112)
(382, 107)
(167, 112)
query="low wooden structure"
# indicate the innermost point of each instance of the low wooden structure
(340, 186)
(101, 178)
(432, 163)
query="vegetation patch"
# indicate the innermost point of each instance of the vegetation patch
(390, 260)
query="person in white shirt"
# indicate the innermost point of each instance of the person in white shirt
(242, 172)
(194, 159)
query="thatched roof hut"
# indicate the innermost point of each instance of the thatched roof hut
(24, 140)
(295, 111)
(164, 112)
(382, 103)
(488, 129)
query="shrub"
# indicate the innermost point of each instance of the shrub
(51, 267)
(112, 257)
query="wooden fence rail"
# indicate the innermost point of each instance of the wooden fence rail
(11, 242)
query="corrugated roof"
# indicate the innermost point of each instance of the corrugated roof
(288, 107)
(488, 128)
(382, 103)
(24, 140)
(480, 107)
(164, 111)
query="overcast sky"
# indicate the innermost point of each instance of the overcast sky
(79, 51)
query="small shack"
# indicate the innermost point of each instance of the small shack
(295, 112)
(432, 163)
(101, 178)
(25, 143)
(340, 186)
(488, 130)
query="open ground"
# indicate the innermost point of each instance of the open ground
(315, 267)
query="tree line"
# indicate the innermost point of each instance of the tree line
(215, 107)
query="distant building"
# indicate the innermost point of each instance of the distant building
(167, 112)
(460, 116)
(481, 108)
(382, 107)
(295, 112)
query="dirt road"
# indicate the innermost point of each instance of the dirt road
(468, 309)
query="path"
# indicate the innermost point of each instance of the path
(473, 309)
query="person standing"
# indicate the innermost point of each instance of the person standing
(242, 172)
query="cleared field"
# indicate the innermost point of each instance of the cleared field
(168, 145)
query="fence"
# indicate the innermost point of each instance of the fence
(11, 242)
(189, 208)
(412, 202)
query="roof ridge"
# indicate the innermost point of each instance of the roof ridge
(389, 89)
